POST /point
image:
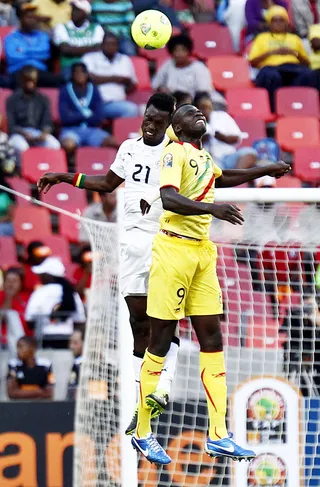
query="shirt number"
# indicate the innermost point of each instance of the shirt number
(136, 176)
(194, 165)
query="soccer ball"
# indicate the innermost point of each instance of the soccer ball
(151, 29)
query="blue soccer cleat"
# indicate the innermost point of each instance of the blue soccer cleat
(151, 449)
(226, 447)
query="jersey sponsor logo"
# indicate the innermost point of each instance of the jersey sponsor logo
(167, 160)
(152, 372)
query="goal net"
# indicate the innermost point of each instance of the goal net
(269, 271)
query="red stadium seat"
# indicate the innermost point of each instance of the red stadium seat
(249, 103)
(31, 223)
(66, 197)
(229, 72)
(297, 102)
(36, 161)
(94, 160)
(69, 228)
(8, 254)
(127, 128)
(252, 129)
(53, 95)
(22, 186)
(306, 164)
(140, 97)
(288, 182)
(4, 31)
(294, 132)
(156, 55)
(211, 40)
(59, 246)
(141, 67)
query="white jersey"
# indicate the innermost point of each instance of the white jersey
(139, 165)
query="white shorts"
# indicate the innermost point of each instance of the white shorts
(135, 262)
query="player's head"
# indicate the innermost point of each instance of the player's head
(203, 102)
(157, 118)
(180, 47)
(29, 79)
(189, 121)
(79, 74)
(26, 348)
(76, 342)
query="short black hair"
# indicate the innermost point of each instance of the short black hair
(109, 34)
(162, 101)
(180, 96)
(28, 70)
(79, 65)
(180, 40)
(176, 114)
(200, 95)
(31, 341)
(34, 245)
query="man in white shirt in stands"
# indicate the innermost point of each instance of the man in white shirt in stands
(115, 75)
(223, 137)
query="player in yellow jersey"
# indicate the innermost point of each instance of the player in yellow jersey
(183, 280)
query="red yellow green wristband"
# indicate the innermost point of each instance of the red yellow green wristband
(78, 180)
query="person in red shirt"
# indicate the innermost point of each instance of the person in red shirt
(83, 274)
(36, 253)
(14, 297)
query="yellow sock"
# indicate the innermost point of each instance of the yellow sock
(213, 376)
(149, 378)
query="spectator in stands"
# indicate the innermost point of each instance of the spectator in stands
(78, 36)
(36, 253)
(182, 70)
(105, 211)
(223, 137)
(81, 113)
(14, 296)
(7, 202)
(54, 308)
(305, 14)
(182, 98)
(115, 75)
(116, 16)
(29, 377)
(52, 12)
(314, 39)
(76, 347)
(232, 13)
(279, 55)
(29, 115)
(165, 6)
(8, 15)
(8, 159)
(82, 275)
(256, 12)
(28, 46)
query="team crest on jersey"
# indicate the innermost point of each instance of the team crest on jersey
(167, 160)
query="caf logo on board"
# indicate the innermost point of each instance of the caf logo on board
(267, 470)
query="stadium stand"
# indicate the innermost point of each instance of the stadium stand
(36, 161)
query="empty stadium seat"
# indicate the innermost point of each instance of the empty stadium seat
(294, 132)
(140, 97)
(4, 31)
(288, 182)
(127, 128)
(210, 40)
(59, 246)
(8, 254)
(69, 228)
(297, 102)
(252, 129)
(66, 197)
(94, 160)
(53, 95)
(229, 72)
(36, 161)
(307, 164)
(141, 67)
(249, 103)
(22, 186)
(31, 223)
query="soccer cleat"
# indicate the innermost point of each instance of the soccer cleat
(157, 401)
(226, 447)
(151, 449)
(134, 421)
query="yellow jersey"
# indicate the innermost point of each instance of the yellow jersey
(192, 172)
(268, 42)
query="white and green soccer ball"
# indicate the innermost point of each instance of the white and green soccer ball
(151, 29)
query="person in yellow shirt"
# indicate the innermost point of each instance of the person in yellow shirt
(314, 39)
(279, 55)
(183, 279)
(52, 12)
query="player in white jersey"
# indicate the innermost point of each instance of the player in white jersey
(138, 164)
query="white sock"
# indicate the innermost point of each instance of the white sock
(137, 362)
(169, 369)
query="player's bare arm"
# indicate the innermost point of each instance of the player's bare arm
(173, 201)
(235, 177)
(105, 183)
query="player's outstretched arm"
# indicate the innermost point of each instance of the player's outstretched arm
(104, 183)
(235, 177)
(175, 202)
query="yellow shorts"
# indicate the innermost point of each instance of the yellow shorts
(183, 279)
